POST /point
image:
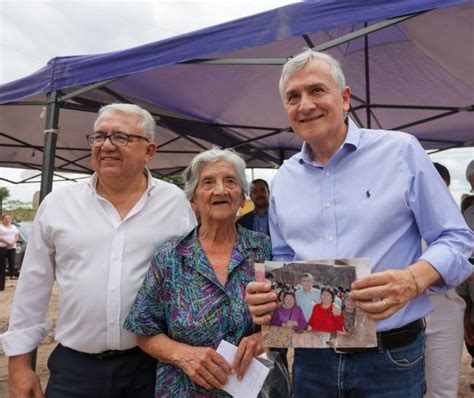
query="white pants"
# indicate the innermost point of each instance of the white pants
(444, 345)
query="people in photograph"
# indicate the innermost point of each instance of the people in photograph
(312, 216)
(95, 240)
(349, 313)
(192, 297)
(444, 335)
(8, 237)
(289, 314)
(307, 296)
(257, 219)
(322, 318)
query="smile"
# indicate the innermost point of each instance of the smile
(310, 119)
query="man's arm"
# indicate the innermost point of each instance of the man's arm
(23, 381)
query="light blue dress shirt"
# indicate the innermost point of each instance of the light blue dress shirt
(378, 196)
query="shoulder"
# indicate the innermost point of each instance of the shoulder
(175, 248)
(247, 217)
(64, 194)
(386, 139)
(163, 187)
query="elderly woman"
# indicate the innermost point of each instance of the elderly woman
(193, 294)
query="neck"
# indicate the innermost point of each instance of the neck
(217, 232)
(111, 188)
(261, 211)
(322, 152)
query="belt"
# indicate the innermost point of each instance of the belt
(108, 354)
(391, 339)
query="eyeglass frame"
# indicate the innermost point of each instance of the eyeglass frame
(110, 137)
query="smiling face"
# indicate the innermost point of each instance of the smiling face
(315, 106)
(326, 298)
(127, 161)
(289, 301)
(307, 283)
(218, 194)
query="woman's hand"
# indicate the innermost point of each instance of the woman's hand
(290, 324)
(204, 366)
(249, 347)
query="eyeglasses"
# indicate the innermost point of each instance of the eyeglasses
(117, 139)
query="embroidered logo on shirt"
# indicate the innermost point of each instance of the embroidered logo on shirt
(368, 194)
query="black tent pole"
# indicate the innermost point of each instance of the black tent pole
(50, 138)
(367, 79)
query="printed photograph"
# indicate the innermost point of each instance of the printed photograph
(314, 307)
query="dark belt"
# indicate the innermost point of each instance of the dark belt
(391, 339)
(108, 354)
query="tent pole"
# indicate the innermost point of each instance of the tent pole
(50, 139)
(367, 78)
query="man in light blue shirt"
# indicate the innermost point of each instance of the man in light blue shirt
(307, 296)
(355, 192)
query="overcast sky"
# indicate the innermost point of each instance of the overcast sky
(34, 31)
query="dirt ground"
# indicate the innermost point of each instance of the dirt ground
(6, 297)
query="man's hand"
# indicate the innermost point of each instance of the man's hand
(262, 301)
(249, 348)
(204, 366)
(382, 294)
(23, 381)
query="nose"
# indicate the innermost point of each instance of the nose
(107, 144)
(306, 103)
(220, 187)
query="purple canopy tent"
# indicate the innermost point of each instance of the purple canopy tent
(409, 69)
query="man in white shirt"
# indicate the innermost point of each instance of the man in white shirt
(95, 239)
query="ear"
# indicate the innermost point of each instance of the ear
(346, 97)
(150, 151)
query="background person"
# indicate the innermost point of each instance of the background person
(444, 335)
(95, 239)
(311, 216)
(8, 236)
(193, 294)
(257, 219)
(307, 296)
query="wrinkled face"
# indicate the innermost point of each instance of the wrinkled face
(289, 301)
(326, 297)
(314, 104)
(259, 195)
(307, 283)
(121, 161)
(218, 194)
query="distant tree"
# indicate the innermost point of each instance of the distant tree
(20, 211)
(4, 193)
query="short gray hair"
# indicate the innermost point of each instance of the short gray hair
(148, 124)
(303, 58)
(193, 171)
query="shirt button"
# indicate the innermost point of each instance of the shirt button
(328, 173)
(230, 333)
(330, 238)
(226, 301)
(327, 205)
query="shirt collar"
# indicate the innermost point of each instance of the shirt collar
(352, 140)
(151, 183)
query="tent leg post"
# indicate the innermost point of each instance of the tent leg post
(50, 138)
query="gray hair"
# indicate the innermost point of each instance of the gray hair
(303, 58)
(193, 171)
(470, 171)
(148, 125)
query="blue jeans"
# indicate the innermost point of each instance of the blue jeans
(396, 373)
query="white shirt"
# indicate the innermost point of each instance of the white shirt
(98, 260)
(8, 233)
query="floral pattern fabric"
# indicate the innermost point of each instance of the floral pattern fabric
(181, 297)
